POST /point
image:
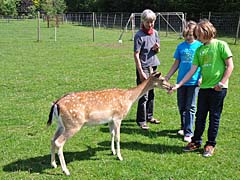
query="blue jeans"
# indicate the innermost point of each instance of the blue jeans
(146, 102)
(209, 101)
(186, 97)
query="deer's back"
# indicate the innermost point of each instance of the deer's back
(94, 107)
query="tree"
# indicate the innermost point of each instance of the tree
(53, 7)
(81, 5)
(25, 7)
(8, 7)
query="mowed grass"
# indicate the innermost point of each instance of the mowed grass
(33, 74)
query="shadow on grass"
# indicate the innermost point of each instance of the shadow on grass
(155, 148)
(130, 127)
(40, 163)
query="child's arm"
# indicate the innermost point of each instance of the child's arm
(226, 75)
(185, 79)
(172, 70)
(229, 69)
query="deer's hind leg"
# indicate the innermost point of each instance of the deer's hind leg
(58, 132)
(59, 143)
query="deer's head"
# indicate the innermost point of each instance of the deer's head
(160, 82)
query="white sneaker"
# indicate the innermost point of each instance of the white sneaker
(181, 132)
(187, 138)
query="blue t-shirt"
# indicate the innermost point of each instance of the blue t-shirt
(143, 43)
(185, 54)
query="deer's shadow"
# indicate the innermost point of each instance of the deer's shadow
(40, 163)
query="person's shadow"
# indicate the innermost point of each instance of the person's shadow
(130, 127)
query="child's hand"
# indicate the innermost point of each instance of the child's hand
(217, 88)
(174, 88)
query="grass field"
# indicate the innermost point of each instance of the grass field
(33, 74)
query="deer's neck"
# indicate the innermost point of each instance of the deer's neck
(138, 91)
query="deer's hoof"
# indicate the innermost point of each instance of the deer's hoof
(66, 171)
(120, 158)
(54, 165)
(114, 152)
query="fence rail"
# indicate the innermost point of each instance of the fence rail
(227, 24)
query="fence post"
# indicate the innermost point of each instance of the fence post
(55, 33)
(237, 31)
(107, 20)
(209, 15)
(121, 20)
(114, 20)
(93, 28)
(133, 27)
(167, 24)
(38, 26)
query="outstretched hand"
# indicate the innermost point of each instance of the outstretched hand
(174, 88)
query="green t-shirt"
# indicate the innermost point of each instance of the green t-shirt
(211, 58)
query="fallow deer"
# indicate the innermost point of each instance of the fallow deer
(96, 107)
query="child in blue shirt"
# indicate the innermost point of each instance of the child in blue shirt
(186, 95)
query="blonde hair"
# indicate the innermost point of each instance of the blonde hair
(147, 15)
(206, 28)
(190, 26)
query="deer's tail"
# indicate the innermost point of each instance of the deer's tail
(53, 112)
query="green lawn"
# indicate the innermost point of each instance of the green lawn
(33, 74)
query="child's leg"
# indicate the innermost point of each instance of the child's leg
(181, 101)
(190, 109)
(202, 111)
(216, 106)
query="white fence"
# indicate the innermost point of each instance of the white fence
(227, 24)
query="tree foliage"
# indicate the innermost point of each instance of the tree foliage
(188, 6)
(8, 7)
(191, 7)
(53, 7)
(81, 5)
(25, 7)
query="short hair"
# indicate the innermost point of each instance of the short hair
(206, 28)
(190, 26)
(148, 14)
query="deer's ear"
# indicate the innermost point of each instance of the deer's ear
(157, 74)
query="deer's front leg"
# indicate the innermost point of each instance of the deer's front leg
(117, 131)
(111, 129)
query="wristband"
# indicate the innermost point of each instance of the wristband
(221, 85)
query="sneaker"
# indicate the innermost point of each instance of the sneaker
(187, 138)
(144, 127)
(154, 121)
(191, 147)
(208, 151)
(181, 132)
